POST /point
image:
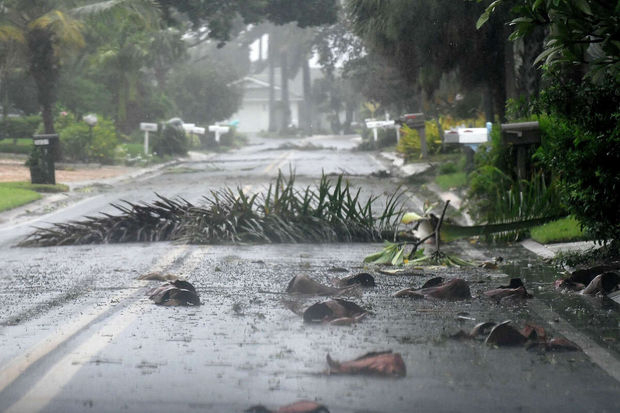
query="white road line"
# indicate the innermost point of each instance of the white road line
(19, 364)
(52, 383)
(596, 353)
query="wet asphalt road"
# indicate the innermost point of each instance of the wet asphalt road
(77, 333)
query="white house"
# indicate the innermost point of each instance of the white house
(253, 114)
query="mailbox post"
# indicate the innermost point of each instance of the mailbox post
(520, 136)
(375, 124)
(147, 127)
(416, 121)
(41, 162)
(218, 130)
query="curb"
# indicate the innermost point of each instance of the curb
(67, 198)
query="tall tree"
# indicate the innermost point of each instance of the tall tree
(50, 29)
(425, 39)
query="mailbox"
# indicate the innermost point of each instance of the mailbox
(521, 135)
(218, 130)
(472, 135)
(41, 162)
(413, 120)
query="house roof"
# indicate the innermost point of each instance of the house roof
(256, 86)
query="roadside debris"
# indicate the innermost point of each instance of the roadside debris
(514, 291)
(302, 284)
(363, 279)
(492, 265)
(384, 363)
(159, 276)
(505, 334)
(303, 406)
(600, 279)
(455, 289)
(175, 293)
(334, 311)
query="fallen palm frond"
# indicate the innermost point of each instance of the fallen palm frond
(328, 212)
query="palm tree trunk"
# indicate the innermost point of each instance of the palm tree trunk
(307, 112)
(272, 95)
(286, 109)
(44, 70)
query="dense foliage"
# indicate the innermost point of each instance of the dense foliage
(19, 127)
(582, 151)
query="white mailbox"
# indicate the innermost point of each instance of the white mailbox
(372, 124)
(198, 130)
(466, 136)
(473, 135)
(148, 127)
(189, 127)
(218, 130)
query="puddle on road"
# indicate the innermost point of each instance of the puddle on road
(597, 317)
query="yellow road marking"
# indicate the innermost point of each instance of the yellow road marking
(278, 162)
(51, 384)
(19, 364)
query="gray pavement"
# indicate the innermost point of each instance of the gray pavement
(77, 333)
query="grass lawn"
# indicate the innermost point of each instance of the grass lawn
(14, 194)
(13, 197)
(134, 149)
(452, 180)
(562, 230)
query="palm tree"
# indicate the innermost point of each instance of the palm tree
(47, 31)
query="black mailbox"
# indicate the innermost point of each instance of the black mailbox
(41, 162)
(521, 135)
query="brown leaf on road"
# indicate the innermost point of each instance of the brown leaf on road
(175, 293)
(364, 279)
(383, 363)
(330, 310)
(603, 283)
(504, 334)
(453, 290)
(302, 406)
(562, 344)
(302, 284)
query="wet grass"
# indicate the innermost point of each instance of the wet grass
(15, 194)
(13, 197)
(563, 230)
(35, 187)
(451, 180)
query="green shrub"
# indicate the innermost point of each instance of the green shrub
(19, 127)
(171, 139)
(23, 146)
(409, 144)
(81, 144)
(583, 130)
(448, 168)
(495, 197)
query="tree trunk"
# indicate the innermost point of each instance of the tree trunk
(44, 68)
(286, 109)
(308, 110)
(272, 95)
